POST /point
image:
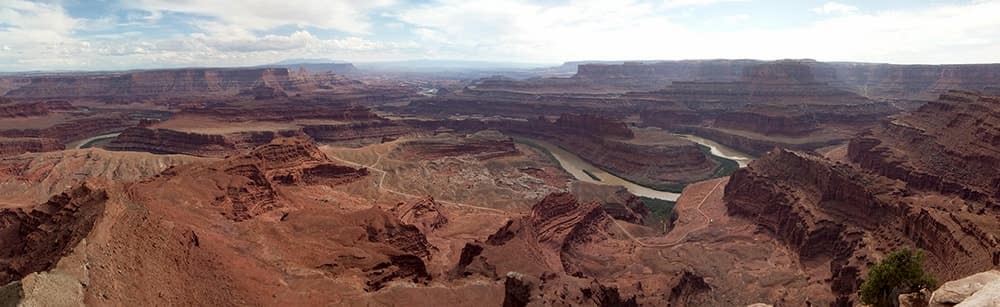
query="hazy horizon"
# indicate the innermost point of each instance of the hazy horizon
(145, 34)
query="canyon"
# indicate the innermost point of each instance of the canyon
(678, 183)
(844, 214)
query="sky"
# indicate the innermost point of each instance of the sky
(132, 34)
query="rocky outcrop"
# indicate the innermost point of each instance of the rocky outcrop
(655, 75)
(779, 72)
(253, 177)
(615, 200)
(384, 228)
(75, 129)
(981, 289)
(690, 290)
(283, 109)
(283, 161)
(517, 290)
(949, 146)
(482, 145)
(16, 146)
(826, 211)
(777, 98)
(357, 133)
(426, 214)
(594, 125)
(649, 164)
(155, 83)
(34, 239)
(34, 178)
(559, 221)
(167, 141)
(263, 92)
(405, 262)
(922, 82)
(603, 142)
(496, 102)
(547, 239)
(525, 290)
(33, 109)
(874, 80)
(336, 68)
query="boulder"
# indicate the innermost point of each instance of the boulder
(989, 295)
(957, 291)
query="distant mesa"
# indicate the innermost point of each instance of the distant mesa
(316, 66)
(185, 82)
(264, 92)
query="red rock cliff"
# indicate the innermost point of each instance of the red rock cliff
(951, 146)
(152, 83)
(836, 212)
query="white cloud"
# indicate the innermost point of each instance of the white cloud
(737, 18)
(598, 30)
(345, 15)
(684, 3)
(513, 29)
(43, 36)
(835, 8)
(36, 16)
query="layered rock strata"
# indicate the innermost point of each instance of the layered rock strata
(33, 109)
(950, 146)
(845, 217)
(610, 148)
(75, 128)
(153, 83)
(358, 133)
(282, 109)
(167, 141)
(483, 145)
(16, 146)
(34, 239)
(252, 177)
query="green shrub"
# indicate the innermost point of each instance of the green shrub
(900, 272)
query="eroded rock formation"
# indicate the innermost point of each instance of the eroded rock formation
(16, 146)
(426, 214)
(74, 128)
(949, 146)
(33, 109)
(252, 177)
(34, 239)
(616, 201)
(358, 133)
(846, 216)
(483, 145)
(780, 103)
(153, 83)
(167, 141)
(607, 144)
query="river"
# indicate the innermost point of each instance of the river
(576, 166)
(81, 143)
(720, 150)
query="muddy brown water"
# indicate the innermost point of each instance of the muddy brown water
(576, 166)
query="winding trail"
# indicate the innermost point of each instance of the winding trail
(381, 180)
(708, 221)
